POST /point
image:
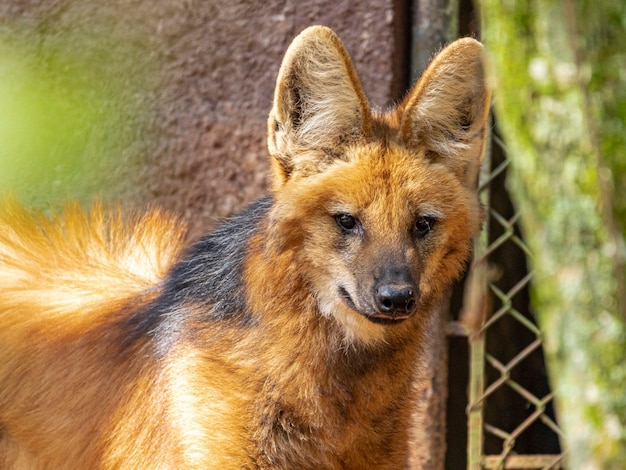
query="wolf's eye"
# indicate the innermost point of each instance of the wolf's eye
(346, 221)
(423, 225)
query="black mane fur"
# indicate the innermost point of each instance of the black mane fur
(208, 275)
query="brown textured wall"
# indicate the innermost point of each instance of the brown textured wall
(211, 65)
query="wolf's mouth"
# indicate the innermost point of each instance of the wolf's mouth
(379, 319)
(347, 299)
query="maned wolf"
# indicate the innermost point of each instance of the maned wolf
(285, 339)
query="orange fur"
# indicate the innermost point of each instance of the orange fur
(65, 282)
(285, 339)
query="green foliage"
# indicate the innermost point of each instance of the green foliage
(560, 95)
(67, 120)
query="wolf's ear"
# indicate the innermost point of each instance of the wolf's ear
(447, 110)
(319, 106)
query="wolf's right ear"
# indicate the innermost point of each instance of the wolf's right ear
(319, 106)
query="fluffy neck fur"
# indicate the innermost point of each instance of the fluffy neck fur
(316, 395)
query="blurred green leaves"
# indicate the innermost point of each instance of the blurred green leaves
(560, 98)
(70, 106)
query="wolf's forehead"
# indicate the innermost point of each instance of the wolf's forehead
(390, 180)
(393, 171)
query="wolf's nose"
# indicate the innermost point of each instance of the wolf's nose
(396, 299)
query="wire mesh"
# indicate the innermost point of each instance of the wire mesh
(511, 419)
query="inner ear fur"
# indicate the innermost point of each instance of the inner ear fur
(319, 105)
(447, 109)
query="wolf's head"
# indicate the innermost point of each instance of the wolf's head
(379, 208)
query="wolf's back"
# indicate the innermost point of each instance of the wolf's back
(73, 267)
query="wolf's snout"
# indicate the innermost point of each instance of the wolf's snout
(396, 299)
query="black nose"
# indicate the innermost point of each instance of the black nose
(396, 299)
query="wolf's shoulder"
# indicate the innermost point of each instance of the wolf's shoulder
(207, 279)
(210, 270)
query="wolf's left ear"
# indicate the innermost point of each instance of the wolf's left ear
(319, 106)
(447, 110)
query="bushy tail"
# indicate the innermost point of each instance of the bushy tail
(68, 269)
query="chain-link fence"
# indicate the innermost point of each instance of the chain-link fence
(511, 422)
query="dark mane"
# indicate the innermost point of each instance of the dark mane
(208, 276)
